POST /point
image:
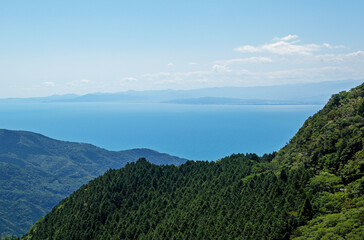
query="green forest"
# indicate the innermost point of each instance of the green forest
(37, 172)
(310, 189)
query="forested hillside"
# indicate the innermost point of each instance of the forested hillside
(330, 144)
(36, 172)
(311, 189)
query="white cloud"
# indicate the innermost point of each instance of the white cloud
(344, 58)
(286, 38)
(221, 68)
(284, 61)
(355, 54)
(192, 63)
(156, 75)
(248, 49)
(312, 74)
(85, 81)
(286, 48)
(79, 82)
(329, 46)
(129, 79)
(246, 60)
(221, 75)
(333, 58)
(49, 84)
(152, 76)
(282, 46)
(257, 60)
(192, 73)
(170, 64)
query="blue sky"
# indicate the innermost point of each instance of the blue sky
(58, 47)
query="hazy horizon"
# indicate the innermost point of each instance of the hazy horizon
(61, 47)
(337, 85)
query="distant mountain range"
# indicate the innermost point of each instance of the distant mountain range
(305, 93)
(236, 101)
(36, 172)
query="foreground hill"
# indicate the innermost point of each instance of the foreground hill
(311, 189)
(36, 172)
(330, 144)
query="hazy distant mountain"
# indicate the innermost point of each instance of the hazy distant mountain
(316, 93)
(53, 98)
(36, 172)
(237, 101)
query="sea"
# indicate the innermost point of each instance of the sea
(196, 132)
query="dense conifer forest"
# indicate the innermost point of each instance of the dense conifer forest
(311, 189)
(37, 172)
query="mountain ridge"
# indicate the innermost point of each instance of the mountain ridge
(238, 101)
(317, 93)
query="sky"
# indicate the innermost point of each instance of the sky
(87, 46)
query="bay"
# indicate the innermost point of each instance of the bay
(198, 132)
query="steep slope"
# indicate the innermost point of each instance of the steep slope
(332, 138)
(311, 189)
(331, 145)
(36, 172)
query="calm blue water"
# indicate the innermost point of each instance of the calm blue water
(192, 131)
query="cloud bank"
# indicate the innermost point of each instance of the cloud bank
(288, 45)
(282, 60)
(285, 60)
